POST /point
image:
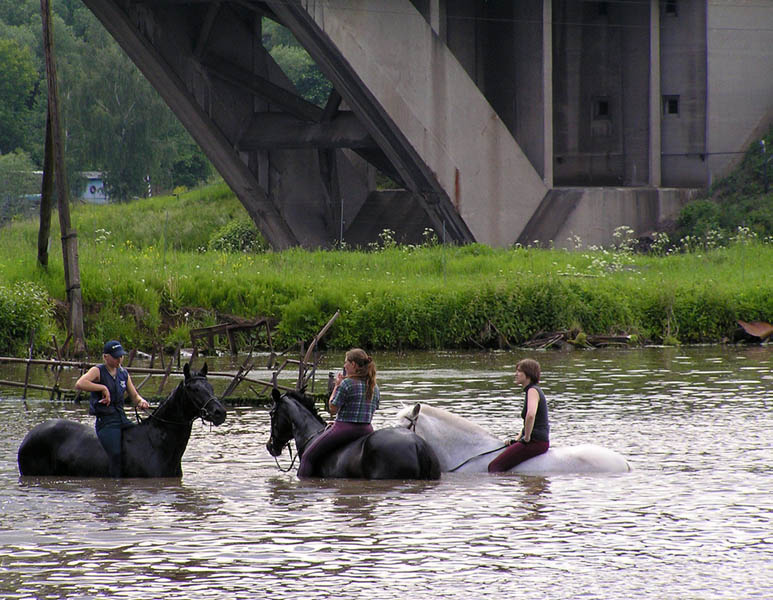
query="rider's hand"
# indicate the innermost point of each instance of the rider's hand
(105, 397)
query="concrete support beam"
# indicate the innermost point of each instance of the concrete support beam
(173, 89)
(655, 103)
(280, 131)
(348, 81)
(547, 86)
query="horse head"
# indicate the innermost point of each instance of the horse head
(288, 411)
(408, 417)
(201, 399)
(281, 426)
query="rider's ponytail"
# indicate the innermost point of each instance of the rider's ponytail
(366, 368)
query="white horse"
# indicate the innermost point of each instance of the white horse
(464, 447)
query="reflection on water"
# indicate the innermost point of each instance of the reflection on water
(691, 521)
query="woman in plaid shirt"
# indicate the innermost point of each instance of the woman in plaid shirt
(353, 401)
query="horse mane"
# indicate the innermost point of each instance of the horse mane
(450, 419)
(307, 402)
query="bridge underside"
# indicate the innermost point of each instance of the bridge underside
(474, 109)
(305, 172)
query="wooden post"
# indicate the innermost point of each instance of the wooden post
(29, 363)
(69, 236)
(46, 197)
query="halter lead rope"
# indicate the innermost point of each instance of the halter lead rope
(292, 462)
(290, 450)
(477, 456)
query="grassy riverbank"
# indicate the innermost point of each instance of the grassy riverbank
(146, 277)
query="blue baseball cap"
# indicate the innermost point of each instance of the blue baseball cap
(114, 349)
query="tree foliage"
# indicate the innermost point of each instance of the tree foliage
(296, 63)
(17, 86)
(737, 201)
(114, 121)
(19, 186)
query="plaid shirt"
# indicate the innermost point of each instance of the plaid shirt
(351, 400)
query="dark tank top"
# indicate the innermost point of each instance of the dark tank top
(117, 387)
(541, 429)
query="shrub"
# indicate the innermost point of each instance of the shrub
(238, 236)
(24, 308)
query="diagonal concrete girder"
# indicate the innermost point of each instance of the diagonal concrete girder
(426, 114)
(168, 79)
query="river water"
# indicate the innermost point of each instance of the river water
(693, 520)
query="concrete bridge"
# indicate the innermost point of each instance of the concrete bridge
(499, 121)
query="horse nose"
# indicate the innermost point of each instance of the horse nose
(219, 416)
(270, 447)
(214, 412)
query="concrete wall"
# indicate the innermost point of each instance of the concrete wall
(600, 87)
(683, 78)
(593, 214)
(740, 79)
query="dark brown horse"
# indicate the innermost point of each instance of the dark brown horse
(391, 453)
(153, 448)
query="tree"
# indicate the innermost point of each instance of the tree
(118, 124)
(113, 119)
(303, 72)
(17, 86)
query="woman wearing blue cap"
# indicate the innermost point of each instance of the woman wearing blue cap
(108, 383)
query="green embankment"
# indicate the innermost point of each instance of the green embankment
(147, 277)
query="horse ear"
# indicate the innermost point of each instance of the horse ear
(187, 370)
(203, 370)
(275, 394)
(416, 410)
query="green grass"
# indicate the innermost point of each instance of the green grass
(144, 279)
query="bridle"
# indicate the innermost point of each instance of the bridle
(293, 455)
(202, 409)
(412, 422)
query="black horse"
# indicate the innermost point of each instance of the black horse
(153, 448)
(392, 453)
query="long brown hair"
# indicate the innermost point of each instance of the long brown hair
(366, 368)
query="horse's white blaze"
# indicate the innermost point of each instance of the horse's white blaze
(456, 440)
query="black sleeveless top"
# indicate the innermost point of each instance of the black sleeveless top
(541, 429)
(117, 387)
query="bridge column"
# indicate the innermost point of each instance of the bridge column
(655, 102)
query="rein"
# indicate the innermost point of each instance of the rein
(292, 456)
(459, 466)
(412, 427)
(290, 451)
(201, 409)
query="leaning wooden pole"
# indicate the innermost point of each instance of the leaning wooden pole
(69, 237)
(46, 197)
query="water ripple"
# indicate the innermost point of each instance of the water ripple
(691, 521)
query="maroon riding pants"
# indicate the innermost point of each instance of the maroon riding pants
(337, 435)
(515, 454)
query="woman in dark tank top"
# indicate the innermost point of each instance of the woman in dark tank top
(535, 435)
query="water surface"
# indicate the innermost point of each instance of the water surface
(693, 520)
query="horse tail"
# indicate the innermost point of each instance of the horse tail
(429, 465)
